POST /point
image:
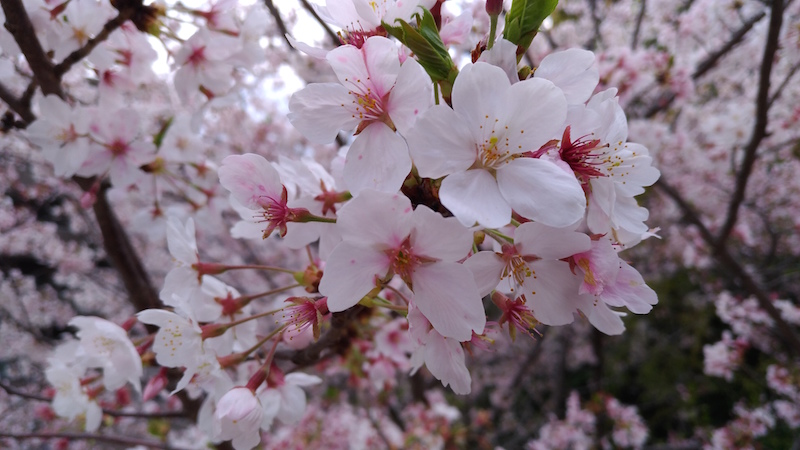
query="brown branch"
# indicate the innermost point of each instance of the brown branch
(731, 264)
(64, 66)
(783, 84)
(123, 440)
(39, 398)
(279, 21)
(637, 29)
(16, 104)
(760, 126)
(736, 37)
(331, 34)
(120, 250)
(665, 100)
(19, 25)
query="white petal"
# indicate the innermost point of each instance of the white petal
(528, 127)
(473, 196)
(437, 237)
(446, 294)
(378, 159)
(444, 358)
(350, 274)
(373, 68)
(320, 110)
(441, 143)
(503, 55)
(541, 191)
(546, 242)
(553, 293)
(411, 96)
(181, 240)
(251, 179)
(573, 71)
(293, 404)
(480, 90)
(376, 219)
(603, 318)
(486, 267)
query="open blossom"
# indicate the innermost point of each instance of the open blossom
(256, 185)
(64, 372)
(376, 94)
(202, 64)
(118, 150)
(106, 345)
(481, 146)
(61, 131)
(382, 235)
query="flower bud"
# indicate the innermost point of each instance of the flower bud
(494, 7)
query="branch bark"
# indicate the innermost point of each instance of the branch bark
(760, 126)
(122, 440)
(720, 252)
(19, 25)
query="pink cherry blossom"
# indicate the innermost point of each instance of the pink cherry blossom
(479, 146)
(378, 95)
(382, 235)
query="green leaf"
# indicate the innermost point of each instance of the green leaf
(427, 45)
(525, 18)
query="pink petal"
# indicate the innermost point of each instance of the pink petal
(446, 294)
(350, 274)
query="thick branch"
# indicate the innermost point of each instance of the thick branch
(760, 126)
(731, 264)
(123, 255)
(19, 25)
(16, 104)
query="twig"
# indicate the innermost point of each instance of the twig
(279, 21)
(736, 37)
(638, 28)
(760, 126)
(331, 34)
(664, 101)
(123, 440)
(64, 66)
(171, 414)
(782, 86)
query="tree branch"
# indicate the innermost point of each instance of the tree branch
(16, 104)
(720, 252)
(123, 440)
(39, 398)
(331, 34)
(279, 21)
(120, 250)
(760, 126)
(74, 57)
(637, 29)
(664, 101)
(19, 25)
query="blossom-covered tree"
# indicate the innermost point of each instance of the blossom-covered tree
(399, 224)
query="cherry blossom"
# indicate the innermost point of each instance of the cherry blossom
(479, 147)
(382, 236)
(379, 96)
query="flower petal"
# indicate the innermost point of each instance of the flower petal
(446, 294)
(541, 191)
(473, 196)
(378, 159)
(350, 274)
